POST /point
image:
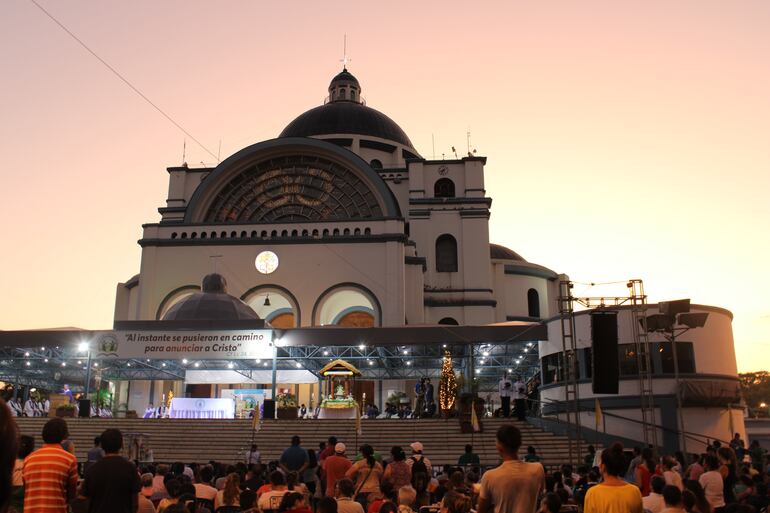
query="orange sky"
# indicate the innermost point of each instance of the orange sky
(623, 139)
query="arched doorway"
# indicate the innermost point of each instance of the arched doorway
(347, 305)
(274, 304)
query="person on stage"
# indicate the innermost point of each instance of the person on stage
(505, 387)
(520, 398)
(67, 392)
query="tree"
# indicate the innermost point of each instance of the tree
(447, 386)
(755, 388)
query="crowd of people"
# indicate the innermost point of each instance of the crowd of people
(726, 478)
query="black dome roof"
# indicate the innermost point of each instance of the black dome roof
(341, 117)
(499, 252)
(213, 303)
(345, 75)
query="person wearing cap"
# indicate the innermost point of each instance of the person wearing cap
(418, 456)
(335, 467)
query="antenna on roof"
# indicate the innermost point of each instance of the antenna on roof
(219, 152)
(433, 142)
(345, 60)
(470, 153)
(184, 152)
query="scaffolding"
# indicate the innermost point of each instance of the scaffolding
(637, 301)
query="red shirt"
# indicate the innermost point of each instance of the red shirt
(328, 451)
(335, 467)
(50, 477)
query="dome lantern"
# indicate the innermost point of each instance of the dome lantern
(345, 88)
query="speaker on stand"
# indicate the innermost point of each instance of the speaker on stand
(604, 352)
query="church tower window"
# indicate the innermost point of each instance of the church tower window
(446, 254)
(533, 303)
(444, 188)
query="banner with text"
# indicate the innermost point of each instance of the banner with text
(201, 345)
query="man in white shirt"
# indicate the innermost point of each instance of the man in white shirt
(514, 486)
(654, 502)
(272, 500)
(253, 456)
(203, 488)
(505, 388)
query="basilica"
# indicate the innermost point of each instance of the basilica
(337, 221)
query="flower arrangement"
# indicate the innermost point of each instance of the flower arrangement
(286, 400)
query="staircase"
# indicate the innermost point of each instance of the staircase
(201, 441)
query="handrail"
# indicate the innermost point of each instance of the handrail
(688, 434)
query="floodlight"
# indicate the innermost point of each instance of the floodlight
(673, 308)
(693, 320)
(657, 322)
(83, 347)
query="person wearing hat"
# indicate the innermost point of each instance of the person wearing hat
(416, 457)
(334, 467)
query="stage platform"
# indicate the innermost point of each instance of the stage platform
(193, 440)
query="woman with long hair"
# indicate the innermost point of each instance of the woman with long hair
(644, 471)
(397, 471)
(700, 504)
(613, 494)
(230, 495)
(367, 474)
(728, 468)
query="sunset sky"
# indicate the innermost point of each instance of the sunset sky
(624, 139)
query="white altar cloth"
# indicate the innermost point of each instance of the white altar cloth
(198, 408)
(337, 413)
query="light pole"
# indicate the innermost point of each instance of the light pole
(84, 347)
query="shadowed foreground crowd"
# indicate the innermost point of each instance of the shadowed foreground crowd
(725, 479)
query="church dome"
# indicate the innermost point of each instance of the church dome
(499, 252)
(345, 113)
(213, 303)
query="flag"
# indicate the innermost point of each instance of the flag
(474, 418)
(597, 413)
(358, 421)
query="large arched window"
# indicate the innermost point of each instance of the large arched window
(446, 254)
(274, 304)
(347, 304)
(533, 303)
(444, 188)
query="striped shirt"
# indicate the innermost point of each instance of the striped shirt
(50, 475)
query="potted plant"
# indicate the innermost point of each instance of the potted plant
(65, 410)
(287, 406)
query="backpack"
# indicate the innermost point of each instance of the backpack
(419, 466)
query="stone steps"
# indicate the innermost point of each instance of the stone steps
(191, 440)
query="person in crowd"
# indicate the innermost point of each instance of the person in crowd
(728, 469)
(635, 462)
(174, 490)
(9, 444)
(294, 458)
(387, 493)
(398, 472)
(144, 505)
(757, 454)
(514, 486)
(417, 461)
(672, 496)
(345, 490)
(335, 467)
(294, 502)
(327, 505)
(159, 491)
(253, 478)
(520, 399)
(468, 457)
(588, 459)
(505, 389)
(293, 483)
(248, 501)
(737, 445)
(671, 476)
(406, 498)
(654, 502)
(271, 500)
(328, 450)
(613, 494)
(253, 456)
(644, 471)
(455, 502)
(367, 474)
(95, 453)
(429, 396)
(551, 503)
(146, 481)
(231, 494)
(699, 502)
(713, 483)
(389, 507)
(26, 446)
(310, 476)
(695, 469)
(759, 500)
(203, 488)
(419, 392)
(112, 483)
(50, 473)
(531, 456)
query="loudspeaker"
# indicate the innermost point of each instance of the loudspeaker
(604, 352)
(84, 408)
(268, 411)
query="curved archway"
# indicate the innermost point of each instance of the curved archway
(173, 298)
(347, 304)
(449, 321)
(275, 304)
